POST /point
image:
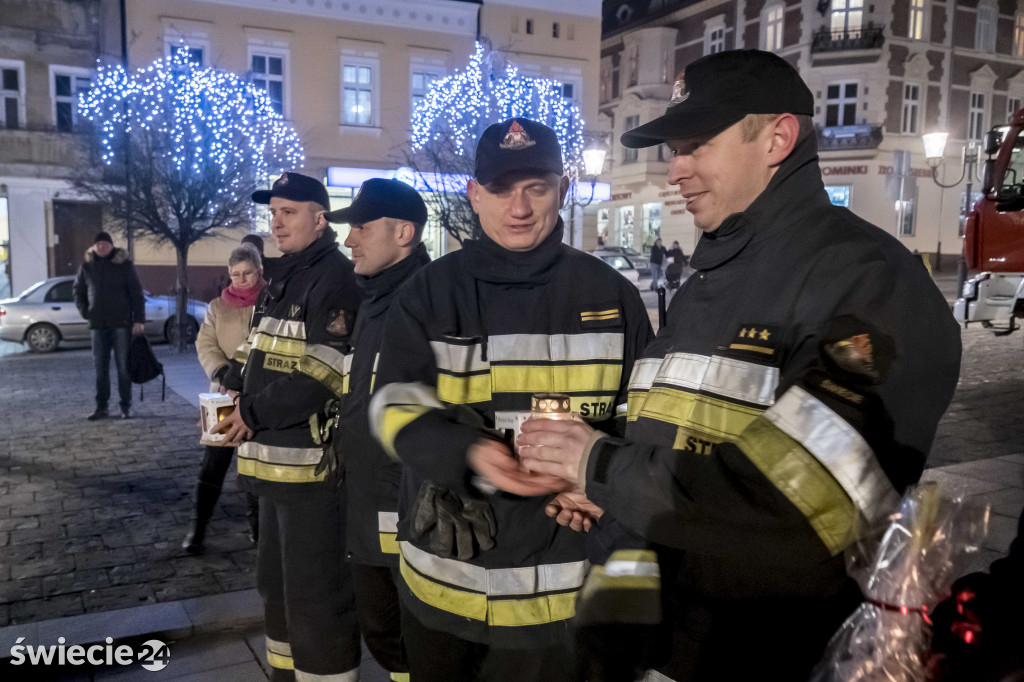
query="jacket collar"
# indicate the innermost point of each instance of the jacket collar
(795, 190)
(486, 260)
(117, 256)
(376, 290)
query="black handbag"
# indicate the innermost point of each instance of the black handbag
(143, 365)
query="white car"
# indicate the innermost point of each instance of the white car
(621, 263)
(45, 314)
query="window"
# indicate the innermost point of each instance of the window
(529, 27)
(907, 216)
(515, 24)
(911, 109)
(985, 28)
(714, 40)
(839, 195)
(1018, 35)
(915, 30)
(634, 64)
(193, 54)
(630, 155)
(652, 223)
(10, 96)
(358, 80)
(1013, 105)
(554, 30)
(606, 79)
(772, 21)
(976, 116)
(420, 84)
(841, 104)
(847, 17)
(268, 74)
(63, 292)
(66, 89)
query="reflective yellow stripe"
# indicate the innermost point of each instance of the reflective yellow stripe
(277, 463)
(399, 677)
(556, 347)
(716, 418)
(279, 345)
(349, 676)
(389, 543)
(394, 406)
(279, 474)
(460, 390)
(279, 654)
(803, 480)
(555, 378)
(328, 366)
(502, 612)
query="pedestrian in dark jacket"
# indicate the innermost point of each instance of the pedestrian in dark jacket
(109, 296)
(676, 254)
(658, 254)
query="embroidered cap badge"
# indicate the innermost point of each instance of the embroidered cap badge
(516, 138)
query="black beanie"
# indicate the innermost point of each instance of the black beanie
(103, 237)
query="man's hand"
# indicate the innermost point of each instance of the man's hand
(226, 391)
(574, 510)
(494, 461)
(234, 429)
(138, 328)
(554, 447)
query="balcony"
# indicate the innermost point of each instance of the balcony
(844, 138)
(867, 38)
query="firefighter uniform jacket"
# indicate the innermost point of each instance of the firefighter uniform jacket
(371, 476)
(792, 396)
(480, 331)
(295, 360)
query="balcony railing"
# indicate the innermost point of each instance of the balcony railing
(837, 138)
(867, 38)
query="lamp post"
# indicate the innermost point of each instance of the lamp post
(593, 163)
(934, 146)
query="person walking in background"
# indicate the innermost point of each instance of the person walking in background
(222, 332)
(658, 253)
(109, 296)
(676, 254)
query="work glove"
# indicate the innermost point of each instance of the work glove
(452, 524)
(332, 461)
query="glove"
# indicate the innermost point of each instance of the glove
(452, 525)
(332, 461)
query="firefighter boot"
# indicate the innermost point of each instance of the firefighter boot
(206, 500)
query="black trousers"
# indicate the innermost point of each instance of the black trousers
(379, 615)
(440, 657)
(216, 462)
(306, 586)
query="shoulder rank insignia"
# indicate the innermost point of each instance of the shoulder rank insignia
(516, 138)
(294, 311)
(756, 340)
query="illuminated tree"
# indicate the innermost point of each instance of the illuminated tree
(455, 111)
(183, 148)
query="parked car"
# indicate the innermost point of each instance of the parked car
(622, 264)
(45, 314)
(641, 262)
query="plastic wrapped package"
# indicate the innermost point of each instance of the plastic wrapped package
(904, 566)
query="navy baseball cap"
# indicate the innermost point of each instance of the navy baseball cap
(719, 90)
(296, 187)
(517, 144)
(380, 198)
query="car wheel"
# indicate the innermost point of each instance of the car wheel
(171, 330)
(42, 338)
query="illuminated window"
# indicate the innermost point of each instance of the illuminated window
(1018, 35)
(772, 21)
(267, 73)
(847, 17)
(915, 30)
(976, 116)
(359, 91)
(985, 28)
(911, 123)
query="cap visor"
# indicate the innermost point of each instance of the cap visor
(262, 196)
(676, 125)
(352, 215)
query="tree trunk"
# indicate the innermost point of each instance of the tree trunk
(181, 305)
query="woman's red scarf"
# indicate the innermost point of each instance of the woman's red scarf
(240, 298)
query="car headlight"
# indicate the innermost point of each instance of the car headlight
(970, 289)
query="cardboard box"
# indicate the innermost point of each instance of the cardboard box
(213, 408)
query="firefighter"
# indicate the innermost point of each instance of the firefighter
(387, 219)
(793, 394)
(488, 581)
(293, 362)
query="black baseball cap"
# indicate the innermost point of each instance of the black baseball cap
(296, 187)
(380, 198)
(717, 91)
(517, 144)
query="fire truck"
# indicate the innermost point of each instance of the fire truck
(994, 236)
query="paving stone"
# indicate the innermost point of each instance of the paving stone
(198, 565)
(79, 581)
(140, 572)
(42, 567)
(104, 558)
(18, 523)
(185, 587)
(20, 590)
(119, 597)
(45, 609)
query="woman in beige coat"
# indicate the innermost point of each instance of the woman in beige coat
(224, 329)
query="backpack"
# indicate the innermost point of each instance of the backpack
(143, 365)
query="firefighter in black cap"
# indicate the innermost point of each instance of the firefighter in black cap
(793, 393)
(295, 359)
(489, 582)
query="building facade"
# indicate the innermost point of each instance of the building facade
(882, 74)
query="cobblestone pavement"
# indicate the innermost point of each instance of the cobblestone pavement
(92, 514)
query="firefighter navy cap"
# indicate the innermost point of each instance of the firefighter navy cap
(717, 91)
(296, 187)
(380, 198)
(517, 144)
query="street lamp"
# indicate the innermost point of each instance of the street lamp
(593, 164)
(934, 147)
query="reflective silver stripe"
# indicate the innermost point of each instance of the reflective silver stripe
(350, 676)
(497, 581)
(334, 359)
(655, 676)
(622, 410)
(644, 371)
(618, 568)
(279, 648)
(727, 377)
(399, 394)
(455, 357)
(838, 447)
(276, 454)
(387, 522)
(556, 347)
(295, 329)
